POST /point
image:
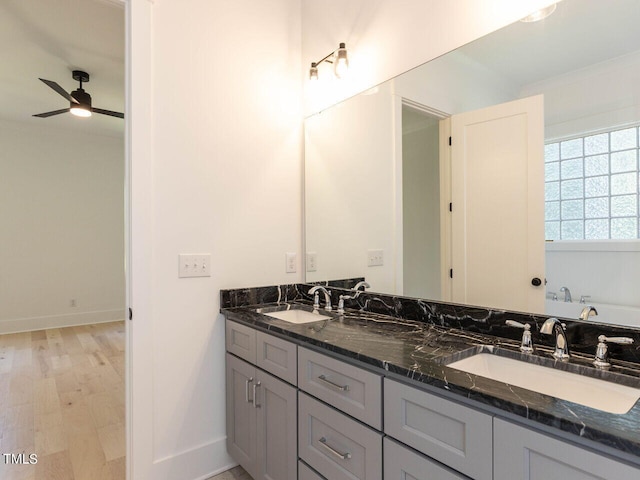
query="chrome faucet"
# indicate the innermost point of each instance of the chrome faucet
(567, 294)
(315, 291)
(364, 286)
(602, 353)
(588, 311)
(554, 326)
(526, 346)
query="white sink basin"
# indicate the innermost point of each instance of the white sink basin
(591, 392)
(297, 316)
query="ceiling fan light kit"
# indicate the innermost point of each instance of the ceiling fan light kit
(79, 99)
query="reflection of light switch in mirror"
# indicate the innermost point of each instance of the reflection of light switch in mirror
(198, 265)
(312, 262)
(375, 258)
(291, 261)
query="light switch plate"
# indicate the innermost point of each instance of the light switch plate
(375, 258)
(194, 265)
(312, 262)
(291, 262)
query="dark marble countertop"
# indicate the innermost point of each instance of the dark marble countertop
(419, 352)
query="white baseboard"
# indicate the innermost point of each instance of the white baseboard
(17, 325)
(199, 463)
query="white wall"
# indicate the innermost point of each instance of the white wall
(216, 168)
(349, 189)
(62, 235)
(421, 208)
(600, 97)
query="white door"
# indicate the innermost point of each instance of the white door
(497, 220)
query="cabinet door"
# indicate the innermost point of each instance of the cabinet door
(241, 341)
(241, 414)
(276, 406)
(277, 356)
(306, 473)
(402, 463)
(453, 434)
(523, 454)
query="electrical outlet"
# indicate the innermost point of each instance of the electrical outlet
(312, 262)
(194, 265)
(291, 262)
(375, 258)
(72, 302)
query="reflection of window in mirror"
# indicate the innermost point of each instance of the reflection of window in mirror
(591, 187)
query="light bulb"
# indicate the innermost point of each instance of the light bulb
(313, 71)
(341, 61)
(80, 111)
(539, 14)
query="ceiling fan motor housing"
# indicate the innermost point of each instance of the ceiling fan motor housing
(82, 97)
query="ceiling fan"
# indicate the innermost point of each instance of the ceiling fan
(80, 101)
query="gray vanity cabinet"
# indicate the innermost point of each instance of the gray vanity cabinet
(241, 414)
(523, 454)
(261, 421)
(453, 434)
(402, 463)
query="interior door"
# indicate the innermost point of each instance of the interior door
(497, 191)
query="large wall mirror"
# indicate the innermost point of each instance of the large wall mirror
(379, 179)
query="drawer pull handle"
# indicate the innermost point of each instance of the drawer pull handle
(246, 390)
(343, 456)
(341, 388)
(255, 398)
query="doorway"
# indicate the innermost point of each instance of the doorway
(62, 286)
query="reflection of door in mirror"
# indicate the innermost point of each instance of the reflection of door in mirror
(497, 227)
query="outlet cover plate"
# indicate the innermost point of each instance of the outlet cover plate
(312, 261)
(375, 258)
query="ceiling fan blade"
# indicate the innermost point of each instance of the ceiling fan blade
(50, 114)
(108, 112)
(59, 89)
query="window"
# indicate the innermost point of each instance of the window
(591, 187)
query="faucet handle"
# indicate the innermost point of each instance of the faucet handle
(526, 346)
(341, 301)
(584, 298)
(553, 296)
(602, 351)
(316, 300)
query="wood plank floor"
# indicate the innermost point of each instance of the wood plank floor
(62, 398)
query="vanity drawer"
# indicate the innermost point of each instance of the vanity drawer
(277, 356)
(446, 431)
(353, 390)
(402, 463)
(335, 445)
(306, 473)
(241, 341)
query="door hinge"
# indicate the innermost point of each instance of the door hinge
(451, 273)
(449, 140)
(451, 207)
(130, 314)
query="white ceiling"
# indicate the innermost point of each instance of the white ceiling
(49, 39)
(578, 34)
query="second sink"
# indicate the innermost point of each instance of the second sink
(584, 390)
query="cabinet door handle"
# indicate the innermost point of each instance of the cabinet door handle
(255, 398)
(343, 456)
(246, 390)
(341, 388)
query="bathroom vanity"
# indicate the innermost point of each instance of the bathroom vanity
(367, 394)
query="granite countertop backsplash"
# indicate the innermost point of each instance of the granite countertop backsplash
(415, 339)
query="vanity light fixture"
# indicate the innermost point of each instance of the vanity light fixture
(539, 14)
(338, 58)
